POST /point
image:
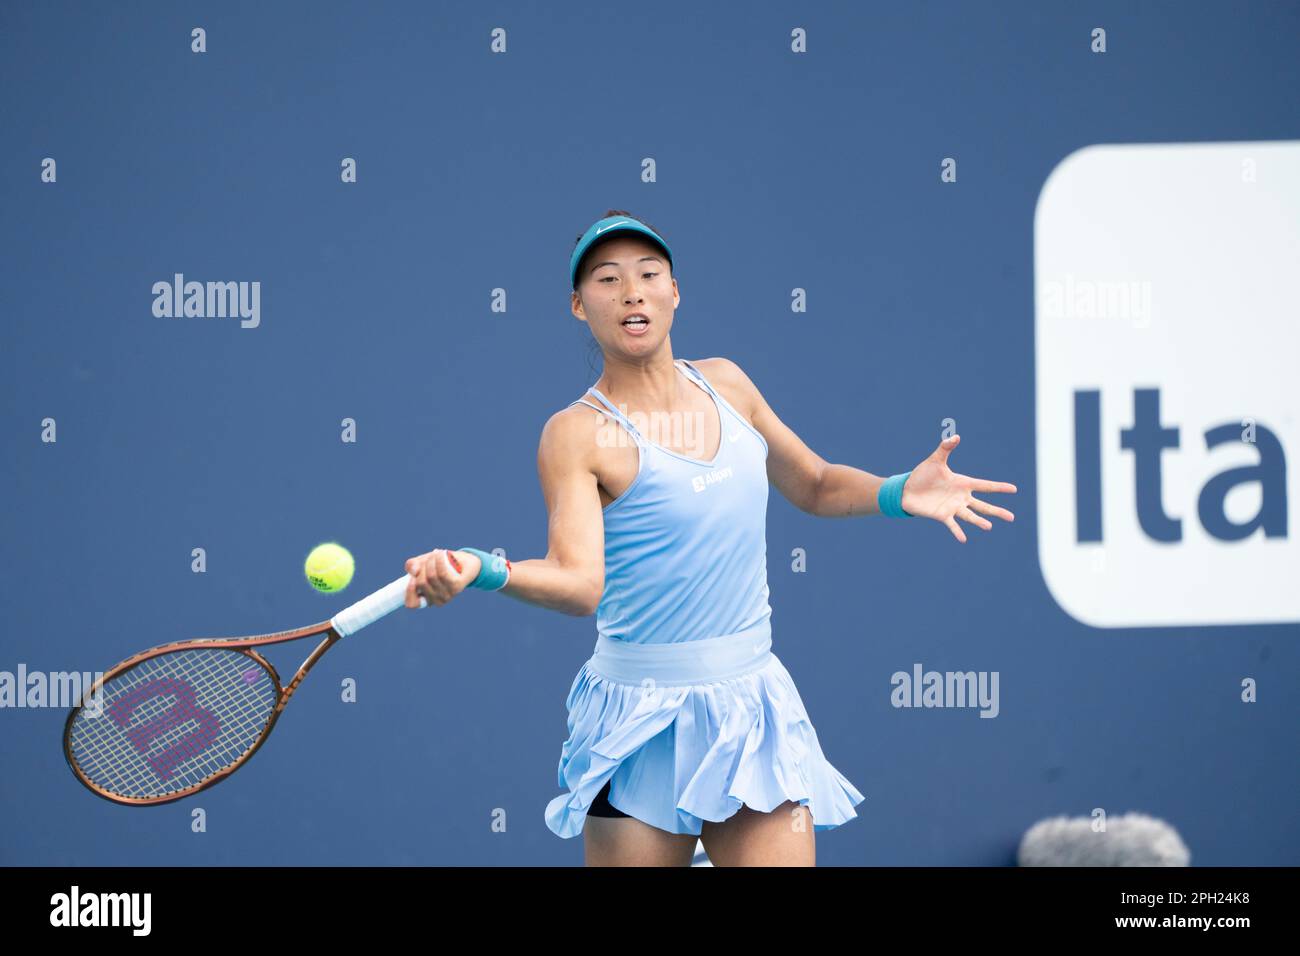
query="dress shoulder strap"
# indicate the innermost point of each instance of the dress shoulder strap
(609, 409)
(692, 372)
(583, 401)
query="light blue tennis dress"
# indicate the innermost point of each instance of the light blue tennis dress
(683, 708)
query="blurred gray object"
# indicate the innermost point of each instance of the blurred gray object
(1134, 839)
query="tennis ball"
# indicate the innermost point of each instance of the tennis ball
(329, 567)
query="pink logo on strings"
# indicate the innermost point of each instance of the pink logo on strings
(183, 711)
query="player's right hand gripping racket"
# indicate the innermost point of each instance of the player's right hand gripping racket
(178, 718)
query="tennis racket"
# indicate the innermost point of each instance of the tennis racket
(181, 717)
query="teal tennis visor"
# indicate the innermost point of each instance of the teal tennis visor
(602, 229)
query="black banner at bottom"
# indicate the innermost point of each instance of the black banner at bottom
(215, 905)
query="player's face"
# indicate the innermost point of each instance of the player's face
(620, 277)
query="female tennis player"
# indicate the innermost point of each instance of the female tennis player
(683, 724)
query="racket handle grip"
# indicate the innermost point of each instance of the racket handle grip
(372, 607)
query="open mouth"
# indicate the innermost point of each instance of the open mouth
(636, 324)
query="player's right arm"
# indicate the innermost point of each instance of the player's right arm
(572, 575)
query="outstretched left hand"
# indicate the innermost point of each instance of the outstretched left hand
(934, 490)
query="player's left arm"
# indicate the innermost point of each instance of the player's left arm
(822, 488)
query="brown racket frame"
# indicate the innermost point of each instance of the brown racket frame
(244, 644)
(347, 622)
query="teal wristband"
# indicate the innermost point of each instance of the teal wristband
(891, 496)
(493, 573)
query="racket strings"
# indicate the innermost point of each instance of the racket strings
(172, 721)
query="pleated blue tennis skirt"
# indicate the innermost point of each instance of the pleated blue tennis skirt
(690, 731)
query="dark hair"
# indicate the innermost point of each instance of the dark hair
(617, 212)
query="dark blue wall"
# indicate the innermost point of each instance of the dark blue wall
(476, 171)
